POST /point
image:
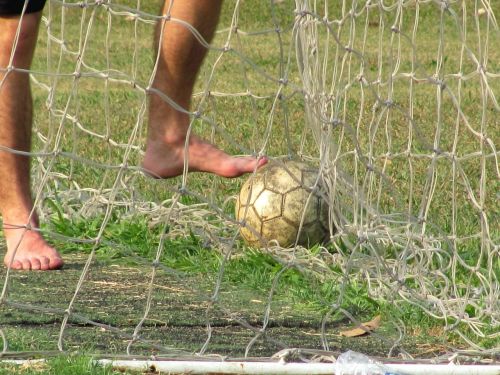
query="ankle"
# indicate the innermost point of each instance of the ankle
(168, 128)
(172, 141)
(20, 222)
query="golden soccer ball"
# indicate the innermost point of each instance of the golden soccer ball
(278, 204)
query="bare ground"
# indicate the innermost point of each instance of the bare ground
(113, 300)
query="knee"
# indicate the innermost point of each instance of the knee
(23, 47)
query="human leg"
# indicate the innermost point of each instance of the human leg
(181, 56)
(26, 248)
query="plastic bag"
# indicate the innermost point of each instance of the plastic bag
(353, 363)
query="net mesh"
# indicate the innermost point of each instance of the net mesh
(394, 102)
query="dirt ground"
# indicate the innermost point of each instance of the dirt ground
(113, 299)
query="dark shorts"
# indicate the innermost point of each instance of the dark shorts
(15, 7)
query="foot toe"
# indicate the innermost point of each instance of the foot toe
(15, 265)
(35, 264)
(236, 167)
(44, 263)
(262, 161)
(26, 264)
(55, 263)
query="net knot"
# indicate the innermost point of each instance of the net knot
(441, 83)
(301, 13)
(362, 237)
(445, 5)
(335, 122)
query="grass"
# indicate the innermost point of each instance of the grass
(199, 259)
(64, 365)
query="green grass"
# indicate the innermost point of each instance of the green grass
(63, 365)
(75, 198)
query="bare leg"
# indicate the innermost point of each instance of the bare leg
(181, 56)
(26, 248)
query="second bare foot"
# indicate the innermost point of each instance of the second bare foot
(164, 160)
(28, 250)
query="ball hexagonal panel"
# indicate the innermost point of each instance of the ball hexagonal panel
(268, 205)
(309, 176)
(251, 189)
(252, 229)
(298, 204)
(284, 176)
(279, 230)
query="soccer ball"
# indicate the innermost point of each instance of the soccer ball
(274, 202)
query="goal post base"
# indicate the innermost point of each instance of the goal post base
(281, 367)
(225, 367)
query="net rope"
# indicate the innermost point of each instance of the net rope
(403, 127)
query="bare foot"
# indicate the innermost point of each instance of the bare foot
(164, 160)
(30, 250)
